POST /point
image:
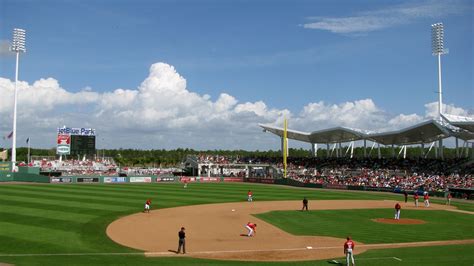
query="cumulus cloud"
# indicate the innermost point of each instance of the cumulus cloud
(163, 113)
(373, 20)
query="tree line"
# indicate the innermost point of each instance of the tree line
(164, 158)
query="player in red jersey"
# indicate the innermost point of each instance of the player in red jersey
(348, 250)
(449, 197)
(252, 228)
(147, 205)
(250, 196)
(415, 197)
(426, 198)
(397, 211)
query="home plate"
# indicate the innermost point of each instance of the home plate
(309, 247)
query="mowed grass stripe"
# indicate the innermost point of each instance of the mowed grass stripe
(61, 204)
(54, 206)
(45, 222)
(57, 214)
(441, 225)
(40, 233)
(69, 197)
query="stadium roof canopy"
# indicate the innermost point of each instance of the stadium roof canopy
(424, 132)
(463, 122)
(331, 135)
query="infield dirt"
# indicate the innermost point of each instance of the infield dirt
(214, 231)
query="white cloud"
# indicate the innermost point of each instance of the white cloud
(163, 113)
(389, 17)
(431, 110)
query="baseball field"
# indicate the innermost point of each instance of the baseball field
(78, 224)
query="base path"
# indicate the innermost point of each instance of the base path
(214, 231)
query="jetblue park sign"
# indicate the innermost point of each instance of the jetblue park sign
(76, 131)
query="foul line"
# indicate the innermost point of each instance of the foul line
(72, 254)
(169, 253)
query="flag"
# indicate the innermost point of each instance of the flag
(27, 140)
(9, 136)
(4, 155)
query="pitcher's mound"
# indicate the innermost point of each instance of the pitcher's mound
(401, 221)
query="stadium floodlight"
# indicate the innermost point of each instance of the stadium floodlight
(18, 46)
(437, 44)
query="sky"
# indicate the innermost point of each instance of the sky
(203, 74)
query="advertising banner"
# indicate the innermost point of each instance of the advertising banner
(165, 179)
(233, 179)
(61, 180)
(209, 179)
(81, 131)
(267, 180)
(187, 179)
(64, 144)
(140, 179)
(115, 179)
(87, 180)
(5, 166)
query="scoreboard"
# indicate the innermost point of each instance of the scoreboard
(75, 141)
(82, 145)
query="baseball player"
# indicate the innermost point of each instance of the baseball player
(249, 196)
(185, 183)
(449, 197)
(397, 211)
(426, 199)
(415, 197)
(147, 206)
(348, 250)
(252, 228)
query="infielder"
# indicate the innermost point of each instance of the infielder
(249, 196)
(415, 197)
(251, 228)
(147, 206)
(426, 198)
(449, 197)
(397, 211)
(348, 250)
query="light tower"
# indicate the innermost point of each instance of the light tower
(437, 44)
(18, 46)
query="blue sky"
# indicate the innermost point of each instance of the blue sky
(284, 54)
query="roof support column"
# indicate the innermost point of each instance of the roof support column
(457, 148)
(314, 150)
(379, 154)
(422, 153)
(365, 148)
(327, 150)
(352, 149)
(393, 150)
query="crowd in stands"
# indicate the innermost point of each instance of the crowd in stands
(405, 174)
(77, 167)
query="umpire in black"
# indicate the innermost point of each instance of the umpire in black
(305, 204)
(182, 241)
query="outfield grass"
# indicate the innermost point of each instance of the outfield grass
(440, 225)
(52, 219)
